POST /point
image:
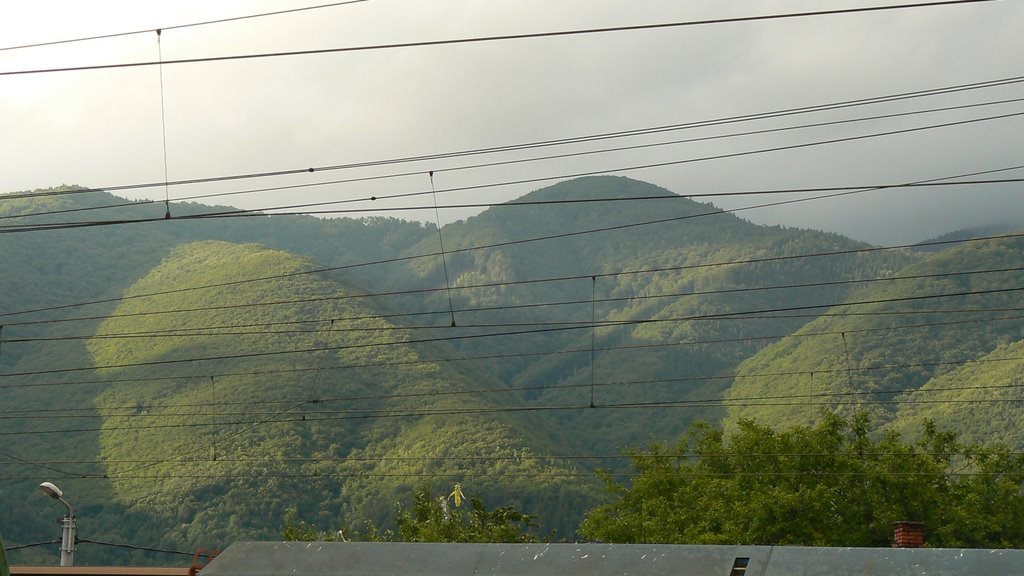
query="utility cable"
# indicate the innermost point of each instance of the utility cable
(462, 474)
(262, 212)
(190, 448)
(110, 414)
(750, 261)
(532, 457)
(364, 414)
(490, 165)
(133, 411)
(208, 330)
(70, 412)
(593, 334)
(928, 92)
(392, 260)
(33, 545)
(143, 548)
(178, 26)
(444, 258)
(463, 337)
(603, 171)
(31, 463)
(499, 38)
(561, 351)
(204, 331)
(163, 127)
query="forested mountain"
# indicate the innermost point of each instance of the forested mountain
(892, 338)
(951, 399)
(300, 410)
(189, 378)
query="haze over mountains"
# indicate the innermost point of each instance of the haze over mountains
(190, 379)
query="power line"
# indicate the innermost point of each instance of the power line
(500, 244)
(108, 415)
(507, 356)
(146, 548)
(37, 227)
(23, 546)
(462, 474)
(283, 417)
(177, 26)
(498, 38)
(582, 326)
(687, 404)
(603, 171)
(509, 162)
(525, 203)
(949, 89)
(529, 456)
(514, 389)
(231, 329)
(31, 463)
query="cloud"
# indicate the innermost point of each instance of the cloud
(104, 128)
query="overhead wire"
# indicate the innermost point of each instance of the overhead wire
(546, 352)
(895, 97)
(602, 171)
(145, 548)
(545, 330)
(531, 456)
(647, 270)
(463, 474)
(499, 38)
(493, 164)
(145, 411)
(936, 3)
(266, 327)
(176, 26)
(308, 417)
(33, 545)
(263, 212)
(252, 425)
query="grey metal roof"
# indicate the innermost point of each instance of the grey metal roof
(408, 559)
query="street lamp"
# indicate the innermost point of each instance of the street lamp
(69, 525)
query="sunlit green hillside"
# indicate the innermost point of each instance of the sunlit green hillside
(188, 379)
(301, 385)
(891, 338)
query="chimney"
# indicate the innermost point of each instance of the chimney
(908, 534)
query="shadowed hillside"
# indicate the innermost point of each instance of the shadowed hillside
(189, 379)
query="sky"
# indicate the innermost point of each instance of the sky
(182, 121)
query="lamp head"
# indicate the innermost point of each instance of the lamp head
(51, 490)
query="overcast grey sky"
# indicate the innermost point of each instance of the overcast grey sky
(103, 128)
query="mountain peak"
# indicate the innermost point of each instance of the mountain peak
(595, 188)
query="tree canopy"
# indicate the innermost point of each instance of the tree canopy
(445, 519)
(832, 484)
(430, 519)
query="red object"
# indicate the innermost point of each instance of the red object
(908, 534)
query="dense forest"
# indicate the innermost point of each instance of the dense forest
(193, 380)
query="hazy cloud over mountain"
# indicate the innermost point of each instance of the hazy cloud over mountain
(104, 127)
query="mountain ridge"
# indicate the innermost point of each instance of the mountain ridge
(581, 326)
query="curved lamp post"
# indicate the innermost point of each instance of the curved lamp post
(68, 524)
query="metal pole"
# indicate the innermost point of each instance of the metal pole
(68, 525)
(67, 544)
(4, 569)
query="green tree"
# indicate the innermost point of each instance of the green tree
(445, 519)
(827, 485)
(429, 519)
(296, 529)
